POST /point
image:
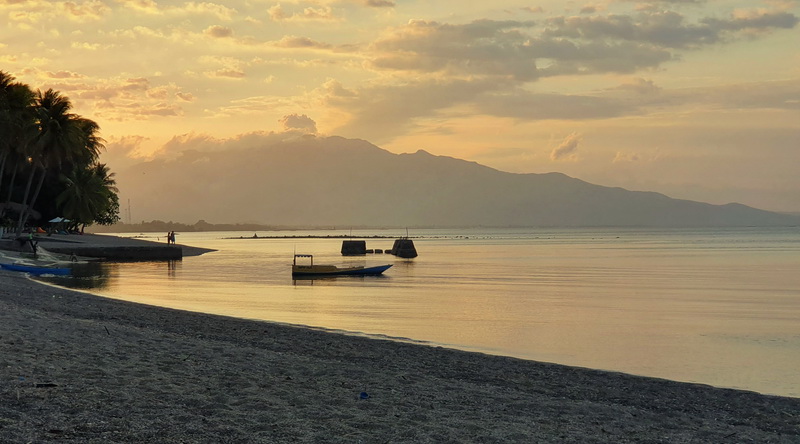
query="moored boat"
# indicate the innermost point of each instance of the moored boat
(33, 269)
(332, 270)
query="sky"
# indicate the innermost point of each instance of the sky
(696, 99)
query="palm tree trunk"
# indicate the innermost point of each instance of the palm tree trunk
(2, 167)
(23, 215)
(11, 184)
(2, 173)
(35, 196)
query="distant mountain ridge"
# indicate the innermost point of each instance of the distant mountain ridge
(333, 181)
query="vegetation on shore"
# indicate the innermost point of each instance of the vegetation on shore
(155, 226)
(49, 164)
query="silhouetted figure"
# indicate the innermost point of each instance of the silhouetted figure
(33, 245)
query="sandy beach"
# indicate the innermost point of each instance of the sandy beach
(81, 368)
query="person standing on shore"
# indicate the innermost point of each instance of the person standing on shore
(33, 244)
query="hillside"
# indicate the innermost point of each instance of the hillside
(314, 181)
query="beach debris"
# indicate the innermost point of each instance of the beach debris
(363, 395)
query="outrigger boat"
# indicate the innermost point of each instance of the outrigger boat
(333, 270)
(33, 269)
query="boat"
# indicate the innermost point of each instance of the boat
(33, 269)
(332, 270)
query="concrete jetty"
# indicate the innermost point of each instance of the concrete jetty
(104, 247)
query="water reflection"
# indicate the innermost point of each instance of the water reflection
(172, 268)
(98, 275)
(331, 280)
(84, 276)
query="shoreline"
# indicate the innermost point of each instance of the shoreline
(91, 369)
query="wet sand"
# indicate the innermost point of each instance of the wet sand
(79, 368)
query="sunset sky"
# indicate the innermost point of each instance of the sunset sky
(697, 99)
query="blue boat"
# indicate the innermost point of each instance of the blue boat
(332, 270)
(32, 269)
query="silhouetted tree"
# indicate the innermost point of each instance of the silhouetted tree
(16, 128)
(61, 137)
(40, 138)
(89, 196)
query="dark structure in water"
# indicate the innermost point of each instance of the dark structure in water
(354, 248)
(404, 248)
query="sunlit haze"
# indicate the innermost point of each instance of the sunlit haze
(695, 99)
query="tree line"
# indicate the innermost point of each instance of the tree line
(49, 164)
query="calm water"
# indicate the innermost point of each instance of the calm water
(719, 307)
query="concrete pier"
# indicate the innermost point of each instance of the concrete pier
(105, 247)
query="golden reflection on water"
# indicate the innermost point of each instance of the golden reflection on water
(697, 306)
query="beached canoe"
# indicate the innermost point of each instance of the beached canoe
(36, 270)
(332, 270)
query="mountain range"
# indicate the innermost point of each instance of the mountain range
(308, 181)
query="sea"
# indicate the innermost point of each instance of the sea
(711, 306)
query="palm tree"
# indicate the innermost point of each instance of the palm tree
(61, 136)
(89, 193)
(16, 125)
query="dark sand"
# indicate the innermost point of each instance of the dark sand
(79, 368)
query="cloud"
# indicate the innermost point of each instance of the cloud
(380, 112)
(226, 67)
(255, 105)
(640, 86)
(205, 8)
(666, 29)
(523, 105)
(218, 11)
(568, 148)
(591, 9)
(626, 157)
(64, 75)
(226, 73)
(775, 95)
(483, 47)
(300, 42)
(186, 97)
(85, 46)
(380, 3)
(533, 9)
(299, 123)
(505, 49)
(117, 98)
(217, 31)
(137, 111)
(86, 11)
(146, 6)
(324, 13)
(123, 151)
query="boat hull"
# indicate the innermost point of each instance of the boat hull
(36, 270)
(330, 270)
